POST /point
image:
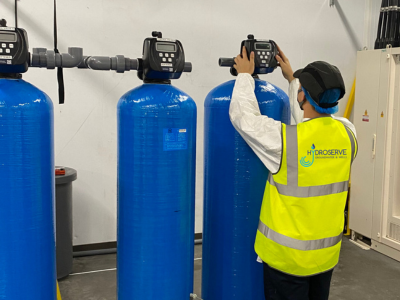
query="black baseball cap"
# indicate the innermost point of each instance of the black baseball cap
(319, 77)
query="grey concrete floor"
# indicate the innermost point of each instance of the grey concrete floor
(360, 275)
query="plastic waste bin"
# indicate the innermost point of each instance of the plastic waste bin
(64, 222)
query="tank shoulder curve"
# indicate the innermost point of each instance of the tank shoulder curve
(22, 93)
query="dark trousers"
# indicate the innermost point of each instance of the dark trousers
(281, 286)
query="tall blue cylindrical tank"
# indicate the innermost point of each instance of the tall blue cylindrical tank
(234, 182)
(156, 193)
(27, 239)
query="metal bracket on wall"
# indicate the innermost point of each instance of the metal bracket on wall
(331, 3)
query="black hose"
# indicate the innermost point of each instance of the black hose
(382, 43)
(16, 13)
(397, 25)
(388, 26)
(393, 24)
(379, 34)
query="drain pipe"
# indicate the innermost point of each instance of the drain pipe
(95, 252)
(111, 251)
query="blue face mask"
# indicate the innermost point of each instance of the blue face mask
(302, 102)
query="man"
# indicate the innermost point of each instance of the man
(302, 215)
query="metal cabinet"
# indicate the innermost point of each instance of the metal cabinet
(375, 179)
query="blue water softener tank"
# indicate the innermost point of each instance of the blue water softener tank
(27, 247)
(156, 180)
(234, 183)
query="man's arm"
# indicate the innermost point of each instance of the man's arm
(297, 113)
(261, 133)
(294, 85)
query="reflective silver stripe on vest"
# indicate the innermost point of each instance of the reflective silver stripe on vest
(353, 143)
(309, 191)
(291, 159)
(298, 244)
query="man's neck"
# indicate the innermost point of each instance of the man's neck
(312, 114)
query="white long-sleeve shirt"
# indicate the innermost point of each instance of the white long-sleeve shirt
(261, 133)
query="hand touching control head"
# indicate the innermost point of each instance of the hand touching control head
(243, 64)
(285, 66)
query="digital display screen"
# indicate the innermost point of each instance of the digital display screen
(168, 47)
(263, 46)
(8, 37)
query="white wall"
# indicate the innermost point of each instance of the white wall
(85, 126)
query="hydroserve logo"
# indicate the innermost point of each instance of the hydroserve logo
(322, 154)
(303, 161)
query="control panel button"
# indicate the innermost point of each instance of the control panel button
(264, 61)
(164, 59)
(268, 53)
(262, 57)
(263, 53)
(166, 55)
(11, 46)
(172, 55)
(7, 50)
(3, 45)
(1, 50)
(170, 59)
(258, 52)
(161, 55)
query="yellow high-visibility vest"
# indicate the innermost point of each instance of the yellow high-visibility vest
(302, 215)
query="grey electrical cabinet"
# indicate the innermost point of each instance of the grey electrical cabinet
(375, 178)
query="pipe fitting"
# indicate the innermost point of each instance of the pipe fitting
(188, 67)
(71, 59)
(119, 63)
(43, 58)
(51, 59)
(100, 63)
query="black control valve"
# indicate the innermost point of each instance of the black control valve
(265, 52)
(162, 60)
